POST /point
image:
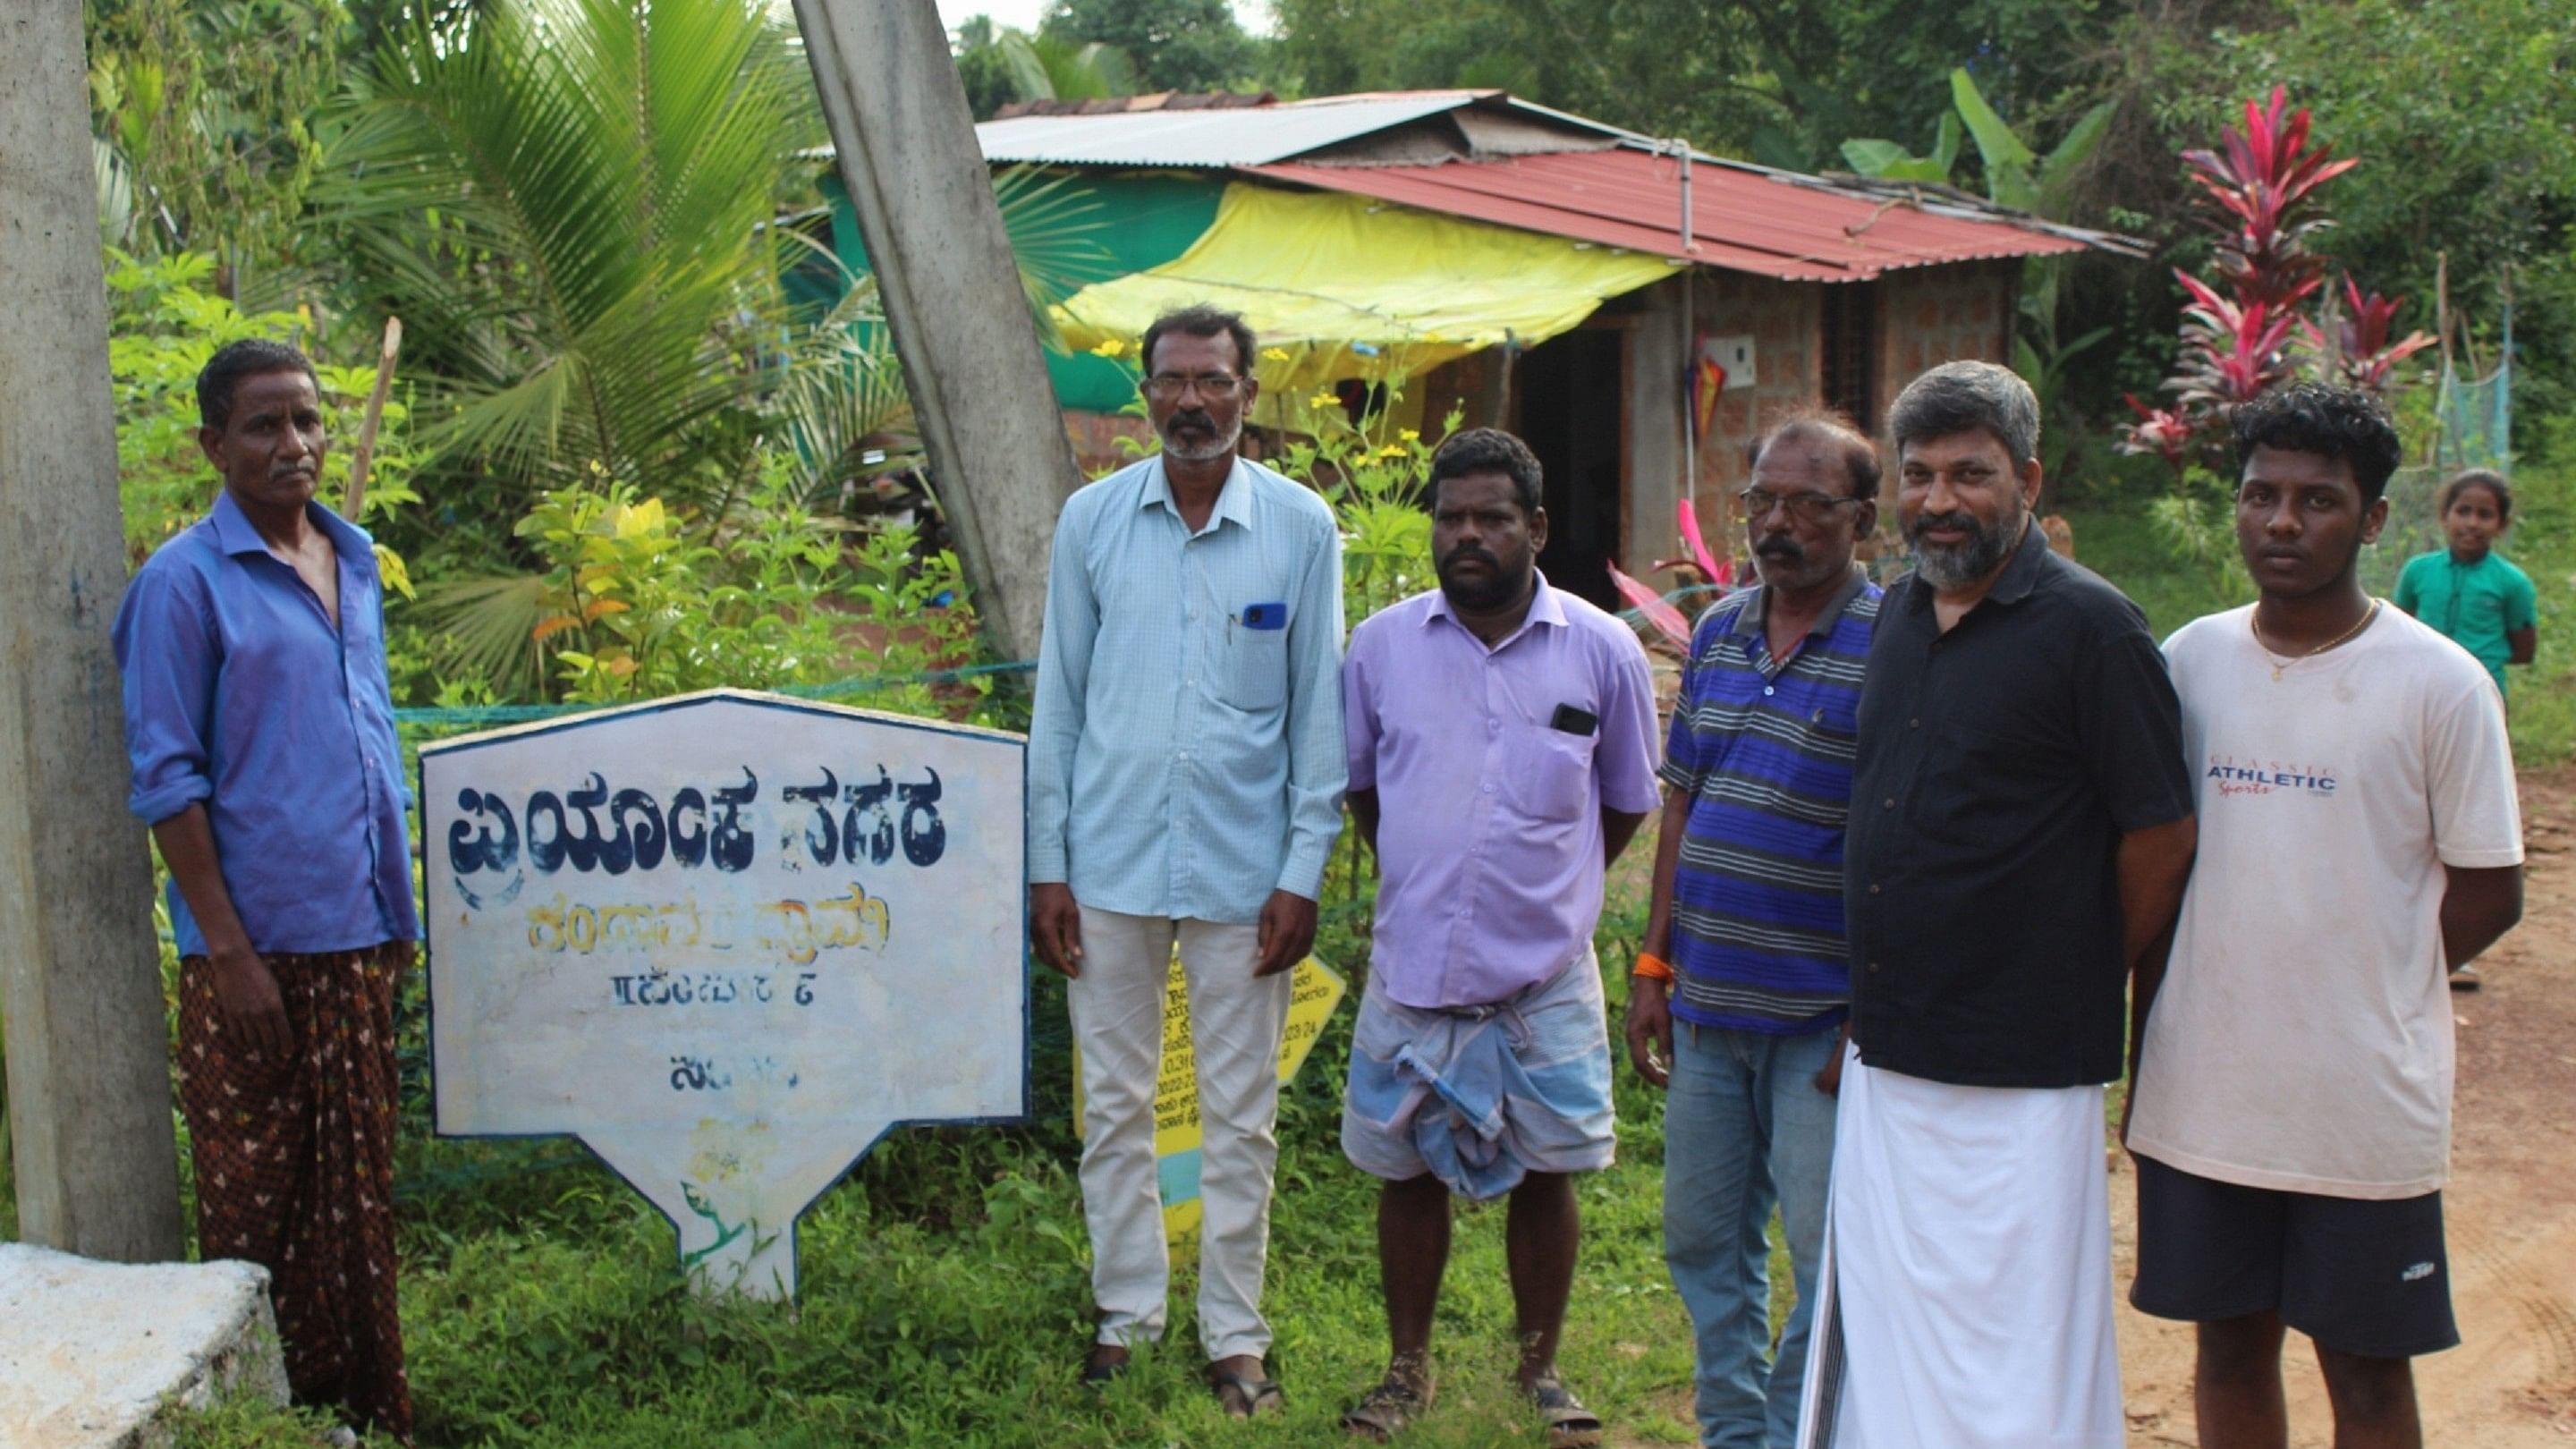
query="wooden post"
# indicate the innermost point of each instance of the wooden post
(999, 458)
(365, 453)
(89, 1070)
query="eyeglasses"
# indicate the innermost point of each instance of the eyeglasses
(1165, 386)
(1804, 507)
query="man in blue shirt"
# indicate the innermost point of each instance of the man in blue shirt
(1185, 785)
(1747, 910)
(259, 723)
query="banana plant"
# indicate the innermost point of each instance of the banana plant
(1888, 161)
(2017, 177)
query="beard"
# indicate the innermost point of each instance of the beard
(1495, 588)
(1954, 565)
(1219, 442)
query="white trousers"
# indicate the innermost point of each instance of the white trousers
(1967, 1302)
(1235, 1022)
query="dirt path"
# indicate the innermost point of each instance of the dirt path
(2511, 1203)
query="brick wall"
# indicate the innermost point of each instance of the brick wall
(1096, 439)
(1932, 315)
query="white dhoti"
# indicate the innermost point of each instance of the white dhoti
(1965, 1297)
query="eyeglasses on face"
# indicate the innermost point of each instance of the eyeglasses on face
(1165, 386)
(1804, 507)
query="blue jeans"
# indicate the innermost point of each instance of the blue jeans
(1744, 1128)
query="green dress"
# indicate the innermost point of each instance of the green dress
(2476, 604)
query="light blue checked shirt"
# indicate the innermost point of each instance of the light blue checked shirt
(1185, 755)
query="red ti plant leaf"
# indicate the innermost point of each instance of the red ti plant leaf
(2265, 185)
(2368, 358)
(2165, 432)
(2231, 354)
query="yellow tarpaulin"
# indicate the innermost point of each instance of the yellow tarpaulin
(1348, 287)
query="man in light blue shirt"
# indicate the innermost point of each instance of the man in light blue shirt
(1185, 786)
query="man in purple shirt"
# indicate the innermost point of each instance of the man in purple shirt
(259, 723)
(1502, 752)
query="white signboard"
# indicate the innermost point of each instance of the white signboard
(728, 940)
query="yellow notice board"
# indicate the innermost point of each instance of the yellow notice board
(1315, 990)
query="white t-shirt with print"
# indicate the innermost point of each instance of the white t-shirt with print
(2302, 1038)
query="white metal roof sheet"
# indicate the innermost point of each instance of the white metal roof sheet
(1249, 136)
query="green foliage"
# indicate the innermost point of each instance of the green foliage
(245, 1421)
(570, 213)
(1780, 84)
(2464, 116)
(633, 605)
(2197, 522)
(1378, 490)
(1175, 45)
(1888, 161)
(164, 325)
(202, 114)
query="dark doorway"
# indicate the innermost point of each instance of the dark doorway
(1567, 395)
(1850, 343)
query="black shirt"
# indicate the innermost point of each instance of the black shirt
(1999, 765)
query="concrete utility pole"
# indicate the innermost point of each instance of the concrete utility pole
(998, 452)
(89, 1071)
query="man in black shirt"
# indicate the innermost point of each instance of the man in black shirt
(2020, 831)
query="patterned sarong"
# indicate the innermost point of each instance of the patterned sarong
(295, 1169)
(1480, 1097)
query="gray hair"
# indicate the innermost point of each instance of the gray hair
(1958, 396)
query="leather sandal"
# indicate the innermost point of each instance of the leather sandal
(1384, 1411)
(1250, 1395)
(1569, 1424)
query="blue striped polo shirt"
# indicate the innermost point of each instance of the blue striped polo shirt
(1765, 750)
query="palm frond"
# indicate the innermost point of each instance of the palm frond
(492, 623)
(1054, 222)
(579, 190)
(840, 386)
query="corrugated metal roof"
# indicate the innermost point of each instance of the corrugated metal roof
(1247, 137)
(1743, 218)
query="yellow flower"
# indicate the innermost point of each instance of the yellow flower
(1110, 348)
(1411, 435)
(1325, 400)
(1275, 354)
(1391, 450)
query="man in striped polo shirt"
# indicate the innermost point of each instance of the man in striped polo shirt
(1744, 944)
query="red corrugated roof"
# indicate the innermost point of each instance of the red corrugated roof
(1744, 220)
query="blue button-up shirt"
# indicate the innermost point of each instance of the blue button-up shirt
(1185, 754)
(239, 694)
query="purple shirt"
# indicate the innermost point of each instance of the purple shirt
(240, 694)
(1489, 819)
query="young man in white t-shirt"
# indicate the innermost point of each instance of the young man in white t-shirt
(2358, 836)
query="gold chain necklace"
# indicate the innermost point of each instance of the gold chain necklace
(2279, 663)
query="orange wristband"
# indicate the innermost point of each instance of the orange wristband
(1652, 967)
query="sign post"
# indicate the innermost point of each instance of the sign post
(728, 940)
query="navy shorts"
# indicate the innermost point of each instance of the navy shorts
(2363, 1277)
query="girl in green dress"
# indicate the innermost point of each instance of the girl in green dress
(2473, 594)
(2469, 591)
